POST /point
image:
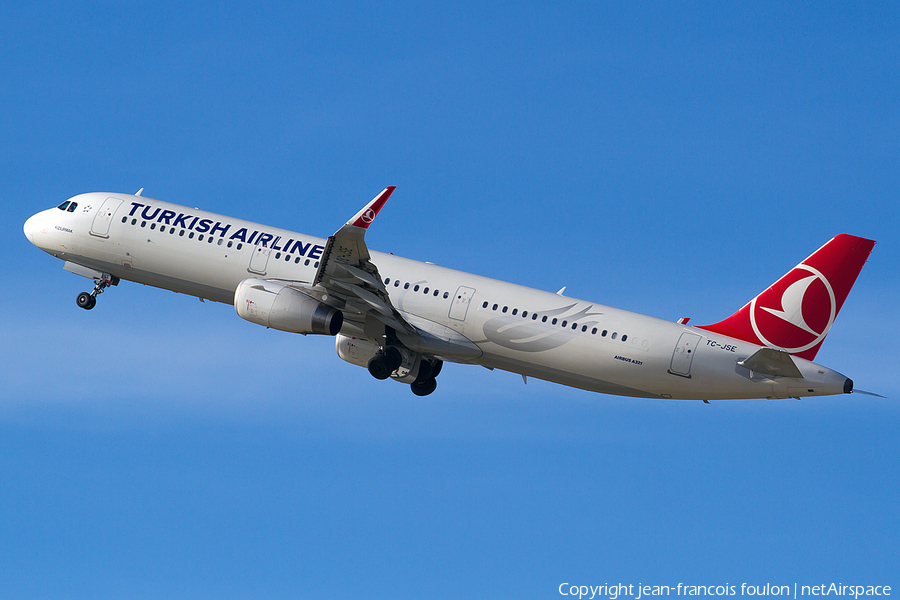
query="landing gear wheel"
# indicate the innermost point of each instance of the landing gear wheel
(425, 372)
(436, 367)
(86, 301)
(380, 367)
(89, 301)
(385, 362)
(423, 388)
(395, 359)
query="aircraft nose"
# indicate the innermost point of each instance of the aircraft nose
(35, 228)
(31, 227)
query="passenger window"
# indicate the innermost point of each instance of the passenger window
(406, 286)
(594, 331)
(152, 226)
(219, 243)
(143, 223)
(230, 243)
(524, 314)
(211, 239)
(396, 283)
(515, 311)
(436, 293)
(624, 337)
(534, 317)
(484, 305)
(574, 326)
(447, 295)
(134, 221)
(181, 233)
(603, 334)
(416, 289)
(553, 322)
(425, 291)
(171, 231)
(317, 264)
(124, 219)
(564, 323)
(190, 235)
(613, 336)
(278, 256)
(387, 281)
(495, 307)
(505, 308)
(306, 264)
(544, 319)
(200, 237)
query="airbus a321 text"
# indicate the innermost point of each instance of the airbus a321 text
(403, 319)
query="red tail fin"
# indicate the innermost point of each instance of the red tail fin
(797, 311)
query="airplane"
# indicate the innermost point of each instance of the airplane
(403, 319)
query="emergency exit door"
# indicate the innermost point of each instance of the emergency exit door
(684, 354)
(460, 304)
(259, 260)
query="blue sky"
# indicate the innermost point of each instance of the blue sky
(669, 158)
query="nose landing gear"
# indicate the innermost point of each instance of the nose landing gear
(88, 301)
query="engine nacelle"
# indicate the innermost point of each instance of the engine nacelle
(354, 350)
(285, 308)
(357, 351)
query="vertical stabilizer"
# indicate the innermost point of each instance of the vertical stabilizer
(796, 312)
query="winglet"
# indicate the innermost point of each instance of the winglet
(365, 217)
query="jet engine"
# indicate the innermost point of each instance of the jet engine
(285, 308)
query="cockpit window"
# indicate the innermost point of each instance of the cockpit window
(73, 206)
(64, 205)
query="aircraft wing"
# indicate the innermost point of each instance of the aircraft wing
(346, 272)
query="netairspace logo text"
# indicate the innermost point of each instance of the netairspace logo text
(646, 592)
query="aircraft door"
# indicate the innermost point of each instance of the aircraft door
(460, 304)
(259, 259)
(103, 218)
(684, 354)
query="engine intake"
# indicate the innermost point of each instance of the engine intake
(285, 308)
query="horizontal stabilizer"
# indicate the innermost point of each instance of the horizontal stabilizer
(769, 361)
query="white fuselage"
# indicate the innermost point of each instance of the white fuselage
(515, 328)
